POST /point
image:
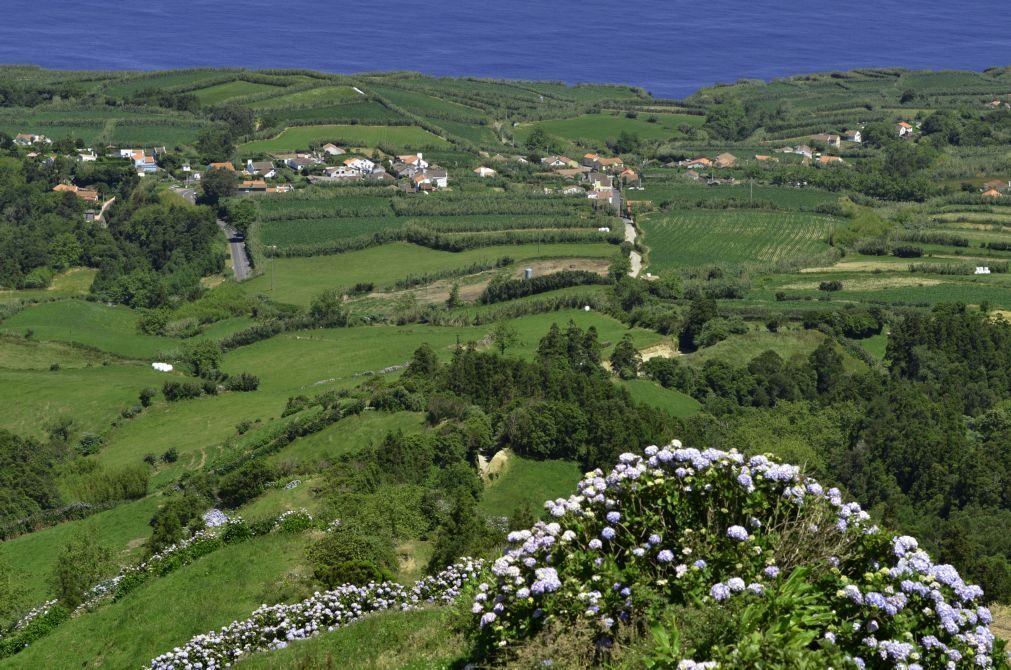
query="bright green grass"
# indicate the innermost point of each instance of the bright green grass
(93, 324)
(30, 400)
(213, 95)
(598, 128)
(224, 328)
(728, 237)
(165, 612)
(324, 95)
(609, 330)
(420, 640)
(528, 482)
(675, 402)
(784, 196)
(17, 353)
(370, 113)
(69, 283)
(741, 349)
(278, 500)
(154, 133)
(198, 429)
(875, 345)
(422, 104)
(122, 529)
(346, 436)
(313, 231)
(298, 280)
(482, 135)
(161, 81)
(86, 133)
(301, 137)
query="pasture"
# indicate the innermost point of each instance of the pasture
(162, 81)
(301, 137)
(733, 237)
(598, 128)
(74, 282)
(323, 95)
(369, 113)
(523, 482)
(166, 611)
(298, 280)
(110, 329)
(682, 191)
(674, 402)
(215, 95)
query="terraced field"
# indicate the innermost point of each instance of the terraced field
(598, 128)
(213, 95)
(733, 237)
(302, 137)
(323, 95)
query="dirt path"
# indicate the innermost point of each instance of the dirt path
(635, 258)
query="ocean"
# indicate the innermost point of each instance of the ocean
(669, 47)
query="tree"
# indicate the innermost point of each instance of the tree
(460, 535)
(828, 366)
(540, 141)
(215, 145)
(505, 336)
(81, 564)
(328, 309)
(203, 357)
(218, 184)
(625, 358)
(454, 296)
(620, 266)
(12, 594)
(245, 483)
(700, 312)
(727, 121)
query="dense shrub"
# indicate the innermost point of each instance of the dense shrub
(174, 391)
(244, 484)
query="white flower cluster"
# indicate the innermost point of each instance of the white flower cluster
(294, 483)
(274, 626)
(34, 614)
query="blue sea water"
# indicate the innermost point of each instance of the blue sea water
(669, 47)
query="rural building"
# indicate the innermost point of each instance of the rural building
(299, 163)
(226, 165)
(88, 156)
(992, 193)
(830, 160)
(600, 181)
(86, 194)
(252, 186)
(996, 185)
(484, 172)
(264, 169)
(28, 139)
(573, 190)
(332, 150)
(341, 172)
(559, 162)
(629, 177)
(414, 160)
(363, 165)
(829, 139)
(571, 173)
(853, 136)
(762, 158)
(699, 163)
(903, 128)
(725, 160)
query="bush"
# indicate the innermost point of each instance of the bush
(236, 531)
(170, 456)
(743, 562)
(147, 396)
(90, 444)
(174, 391)
(243, 381)
(907, 252)
(244, 484)
(351, 572)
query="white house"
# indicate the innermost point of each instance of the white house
(982, 270)
(362, 165)
(263, 169)
(88, 156)
(28, 139)
(341, 172)
(903, 128)
(484, 172)
(854, 136)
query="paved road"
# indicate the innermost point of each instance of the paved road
(635, 258)
(237, 247)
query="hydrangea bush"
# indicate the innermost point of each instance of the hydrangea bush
(722, 532)
(273, 627)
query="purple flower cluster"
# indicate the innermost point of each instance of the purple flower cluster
(627, 526)
(275, 626)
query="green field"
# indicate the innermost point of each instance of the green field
(526, 482)
(298, 280)
(783, 196)
(112, 329)
(74, 282)
(369, 113)
(167, 611)
(214, 95)
(122, 529)
(732, 237)
(148, 134)
(346, 436)
(323, 95)
(161, 81)
(598, 128)
(675, 402)
(312, 231)
(419, 640)
(18, 353)
(302, 137)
